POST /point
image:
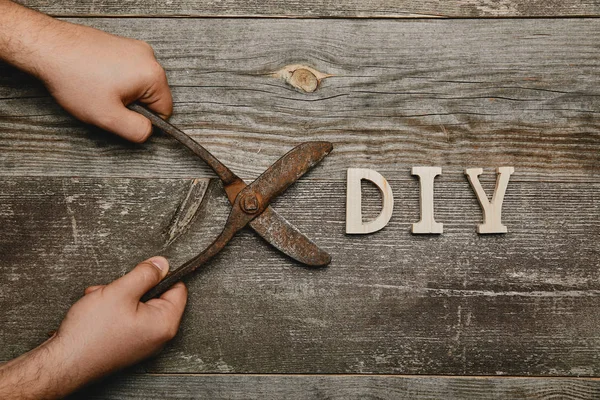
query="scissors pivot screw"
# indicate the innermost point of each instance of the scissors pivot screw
(250, 203)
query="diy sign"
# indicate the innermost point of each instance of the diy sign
(492, 210)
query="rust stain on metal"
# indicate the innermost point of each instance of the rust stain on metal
(249, 202)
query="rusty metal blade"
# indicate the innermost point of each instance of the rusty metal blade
(282, 235)
(286, 238)
(287, 170)
(276, 230)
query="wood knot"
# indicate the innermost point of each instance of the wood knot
(301, 77)
(304, 79)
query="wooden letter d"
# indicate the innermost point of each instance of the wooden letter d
(354, 222)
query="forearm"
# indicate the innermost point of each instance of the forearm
(25, 36)
(42, 373)
(106, 330)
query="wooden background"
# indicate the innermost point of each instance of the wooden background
(456, 84)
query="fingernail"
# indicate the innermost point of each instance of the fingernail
(160, 262)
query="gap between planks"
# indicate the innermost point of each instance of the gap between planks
(408, 376)
(411, 17)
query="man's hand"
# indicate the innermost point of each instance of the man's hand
(91, 73)
(109, 328)
(106, 330)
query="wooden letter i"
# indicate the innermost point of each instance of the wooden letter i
(427, 223)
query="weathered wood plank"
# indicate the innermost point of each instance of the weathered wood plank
(296, 387)
(521, 303)
(454, 93)
(316, 8)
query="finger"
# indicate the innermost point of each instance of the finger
(92, 289)
(142, 278)
(126, 123)
(174, 299)
(171, 306)
(159, 98)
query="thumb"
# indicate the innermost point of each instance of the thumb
(142, 278)
(127, 124)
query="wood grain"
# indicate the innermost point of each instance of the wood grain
(317, 9)
(454, 93)
(524, 303)
(297, 387)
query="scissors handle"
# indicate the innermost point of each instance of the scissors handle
(221, 170)
(236, 221)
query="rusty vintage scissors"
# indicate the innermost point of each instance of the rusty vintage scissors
(250, 203)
